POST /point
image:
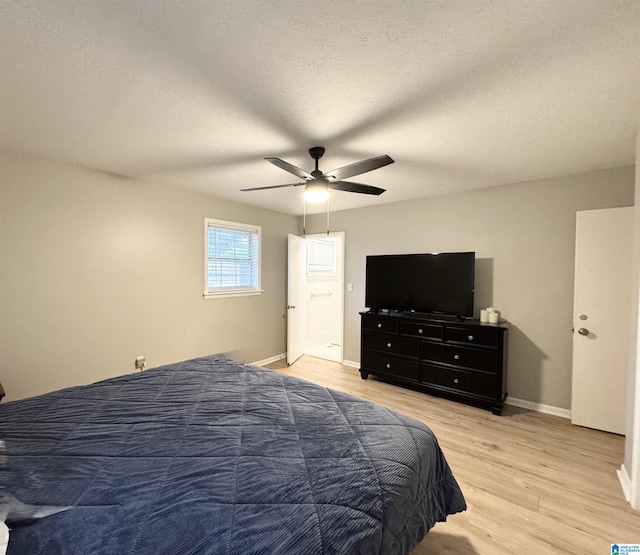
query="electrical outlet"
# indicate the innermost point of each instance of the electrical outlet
(141, 363)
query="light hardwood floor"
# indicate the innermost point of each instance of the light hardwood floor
(534, 483)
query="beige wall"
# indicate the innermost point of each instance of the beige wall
(96, 270)
(524, 239)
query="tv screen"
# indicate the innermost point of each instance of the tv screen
(440, 283)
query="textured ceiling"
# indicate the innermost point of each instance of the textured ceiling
(462, 94)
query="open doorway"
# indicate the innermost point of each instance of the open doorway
(324, 296)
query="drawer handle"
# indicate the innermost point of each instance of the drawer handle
(455, 380)
(456, 357)
(471, 338)
(388, 365)
(379, 325)
(389, 345)
(420, 330)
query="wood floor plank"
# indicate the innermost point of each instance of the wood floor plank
(534, 483)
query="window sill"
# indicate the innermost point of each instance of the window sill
(232, 294)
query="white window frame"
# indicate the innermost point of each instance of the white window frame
(232, 290)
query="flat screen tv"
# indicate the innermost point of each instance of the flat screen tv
(437, 283)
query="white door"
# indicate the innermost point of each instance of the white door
(601, 319)
(296, 306)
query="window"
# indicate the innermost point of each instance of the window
(321, 257)
(232, 258)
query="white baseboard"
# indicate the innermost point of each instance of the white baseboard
(351, 363)
(269, 360)
(538, 407)
(625, 482)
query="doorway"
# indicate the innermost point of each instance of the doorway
(325, 296)
(320, 298)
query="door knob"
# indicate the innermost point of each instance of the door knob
(583, 331)
(288, 307)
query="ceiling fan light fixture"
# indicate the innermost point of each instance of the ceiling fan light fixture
(316, 193)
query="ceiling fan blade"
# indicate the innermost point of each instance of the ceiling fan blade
(274, 186)
(355, 187)
(290, 168)
(360, 167)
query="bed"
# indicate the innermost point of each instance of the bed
(212, 456)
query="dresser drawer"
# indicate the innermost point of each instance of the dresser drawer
(380, 324)
(395, 344)
(389, 364)
(472, 336)
(421, 330)
(460, 380)
(467, 357)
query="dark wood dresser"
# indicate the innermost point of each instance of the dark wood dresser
(463, 360)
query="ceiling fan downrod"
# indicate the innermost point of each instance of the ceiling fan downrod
(316, 153)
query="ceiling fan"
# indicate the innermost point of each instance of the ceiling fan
(316, 181)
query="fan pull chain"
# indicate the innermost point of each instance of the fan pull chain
(327, 215)
(304, 216)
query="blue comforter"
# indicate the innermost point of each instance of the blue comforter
(208, 456)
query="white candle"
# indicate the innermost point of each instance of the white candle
(484, 315)
(493, 317)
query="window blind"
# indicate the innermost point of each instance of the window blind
(232, 257)
(321, 257)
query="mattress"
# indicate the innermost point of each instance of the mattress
(211, 456)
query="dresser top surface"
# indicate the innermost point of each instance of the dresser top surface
(436, 319)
